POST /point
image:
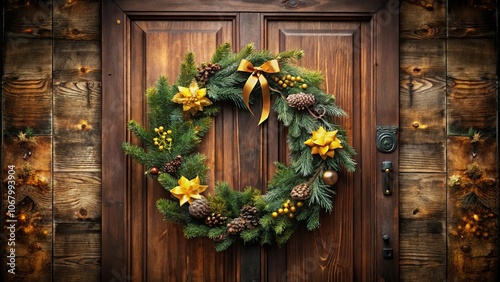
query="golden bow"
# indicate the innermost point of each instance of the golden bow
(271, 66)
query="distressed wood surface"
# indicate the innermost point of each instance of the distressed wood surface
(77, 252)
(77, 119)
(423, 21)
(422, 230)
(423, 101)
(472, 103)
(77, 20)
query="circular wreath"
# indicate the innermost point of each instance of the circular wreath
(180, 114)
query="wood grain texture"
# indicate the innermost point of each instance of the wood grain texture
(27, 59)
(471, 19)
(423, 101)
(359, 6)
(77, 60)
(77, 20)
(422, 21)
(77, 126)
(471, 104)
(472, 59)
(77, 252)
(77, 197)
(28, 20)
(422, 231)
(28, 103)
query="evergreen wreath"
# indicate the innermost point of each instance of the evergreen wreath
(180, 114)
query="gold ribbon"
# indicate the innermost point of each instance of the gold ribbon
(271, 66)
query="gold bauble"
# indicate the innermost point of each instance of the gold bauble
(330, 177)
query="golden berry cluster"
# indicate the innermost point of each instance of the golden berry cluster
(163, 141)
(289, 209)
(288, 80)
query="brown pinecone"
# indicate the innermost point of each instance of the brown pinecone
(215, 219)
(172, 166)
(250, 215)
(199, 208)
(301, 192)
(206, 71)
(300, 101)
(236, 225)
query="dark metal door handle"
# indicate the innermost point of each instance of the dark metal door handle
(387, 177)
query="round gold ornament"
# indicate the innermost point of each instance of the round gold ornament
(330, 177)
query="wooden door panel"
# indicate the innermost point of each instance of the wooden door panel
(157, 49)
(346, 47)
(328, 253)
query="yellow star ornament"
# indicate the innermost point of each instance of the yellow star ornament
(193, 99)
(188, 190)
(324, 142)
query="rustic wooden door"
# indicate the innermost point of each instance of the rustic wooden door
(354, 44)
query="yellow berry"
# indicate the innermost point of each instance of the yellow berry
(286, 210)
(286, 205)
(284, 85)
(287, 81)
(155, 139)
(280, 82)
(293, 78)
(292, 209)
(156, 129)
(169, 139)
(156, 143)
(280, 211)
(291, 215)
(276, 79)
(163, 137)
(291, 84)
(169, 131)
(299, 204)
(304, 86)
(288, 76)
(298, 78)
(160, 148)
(275, 214)
(160, 128)
(164, 133)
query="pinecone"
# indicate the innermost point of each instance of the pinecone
(215, 219)
(250, 215)
(172, 166)
(236, 225)
(199, 208)
(206, 71)
(301, 192)
(300, 101)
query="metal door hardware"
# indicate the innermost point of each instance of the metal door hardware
(387, 253)
(386, 138)
(387, 177)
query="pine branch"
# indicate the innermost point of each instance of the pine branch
(188, 70)
(223, 51)
(195, 230)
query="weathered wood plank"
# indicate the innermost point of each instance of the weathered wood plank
(471, 104)
(471, 18)
(423, 21)
(422, 226)
(472, 59)
(77, 196)
(77, 252)
(28, 19)
(77, 126)
(77, 60)
(28, 103)
(27, 59)
(422, 111)
(77, 20)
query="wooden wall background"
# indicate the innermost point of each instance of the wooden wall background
(52, 84)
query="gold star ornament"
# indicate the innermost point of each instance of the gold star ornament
(192, 98)
(324, 142)
(187, 190)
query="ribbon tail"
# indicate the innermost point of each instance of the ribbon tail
(266, 99)
(247, 90)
